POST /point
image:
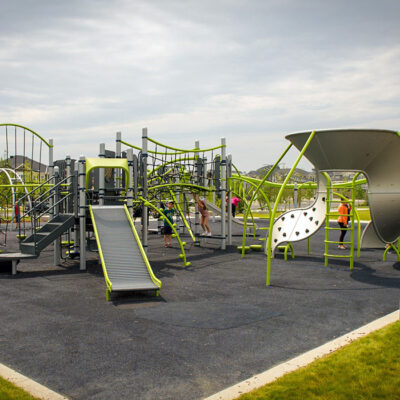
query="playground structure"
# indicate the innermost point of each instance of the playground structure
(71, 201)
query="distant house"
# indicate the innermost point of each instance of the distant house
(19, 164)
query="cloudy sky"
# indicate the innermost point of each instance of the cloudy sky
(252, 71)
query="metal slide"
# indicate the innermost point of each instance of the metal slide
(125, 264)
(217, 210)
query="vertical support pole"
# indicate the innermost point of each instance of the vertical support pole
(223, 193)
(196, 212)
(102, 182)
(144, 189)
(229, 192)
(213, 200)
(51, 174)
(295, 195)
(351, 218)
(56, 198)
(268, 246)
(68, 203)
(329, 197)
(76, 209)
(129, 195)
(82, 212)
(204, 181)
(118, 172)
(135, 177)
(179, 222)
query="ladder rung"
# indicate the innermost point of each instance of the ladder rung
(334, 201)
(337, 229)
(337, 256)
(331, 241)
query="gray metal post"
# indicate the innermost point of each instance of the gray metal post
(223, 191)
(135, 177)
(144, 188)
(196, 213)
(82, 212)
(129, 195)
(213, 200)
(76, 209)
(51, 174)
(56, 198)
(118, 172)
(204, 183)
(102, 182)
(68, 202)
(180, 227)
(229, 191)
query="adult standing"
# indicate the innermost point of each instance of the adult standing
(343, 219)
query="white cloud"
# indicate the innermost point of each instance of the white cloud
(250, 71)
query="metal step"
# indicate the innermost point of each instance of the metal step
(47, 234)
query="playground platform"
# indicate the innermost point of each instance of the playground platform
(214, 324)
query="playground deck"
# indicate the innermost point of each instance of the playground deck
(214, 324)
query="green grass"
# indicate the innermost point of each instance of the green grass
(8, 391)
(368, 368)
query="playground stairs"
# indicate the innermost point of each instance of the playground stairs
(47, 234)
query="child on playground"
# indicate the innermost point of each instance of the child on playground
(235, 201)
(167, 230)
(204, 214)
(343, 219)
(17, 213)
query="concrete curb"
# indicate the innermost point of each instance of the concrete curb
(30, 386)
(304, 359)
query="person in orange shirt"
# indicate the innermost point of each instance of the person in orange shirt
(343, 220)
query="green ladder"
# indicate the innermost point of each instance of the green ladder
(337, 198)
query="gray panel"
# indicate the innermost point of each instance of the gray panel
(375, 153)
(217, 210)
(369, 238)
(124, 262)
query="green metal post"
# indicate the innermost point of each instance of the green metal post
(247, 211)
(327, 218)
(272, 217)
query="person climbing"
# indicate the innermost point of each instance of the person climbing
(343, 211)
(205, 215)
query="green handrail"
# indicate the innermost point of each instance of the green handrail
(181, 213)
(163, 216)
(142, 252)
(256, 191)
(103, 262)
(304, 185)
(189, 185)
(150, 151)
(185, 150)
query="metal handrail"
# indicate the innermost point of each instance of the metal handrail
(49, 193)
